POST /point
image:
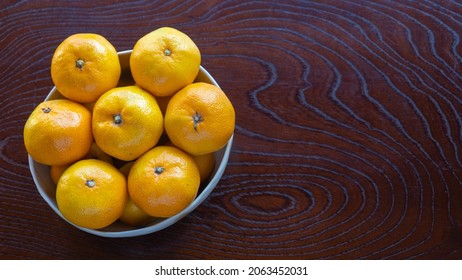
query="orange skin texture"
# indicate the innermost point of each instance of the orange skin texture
(56, 171)
(95, 152)
(132, 214)
(164, 61)
(141, 122)
(216, 122)
(205, 163)
(58, 132)
(91, 206)
(100, 69)
(170, 190)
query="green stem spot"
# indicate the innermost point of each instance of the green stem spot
(197, 118)
(90, 183)
(117, 119)
(158, 170)
(167, 52)
(79, 63)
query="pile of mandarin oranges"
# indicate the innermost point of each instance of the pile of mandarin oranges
(129, 152)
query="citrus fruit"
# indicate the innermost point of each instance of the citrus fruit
(125, 169)
(163, 181)
(58, 132)
(132, 214)
(126, 122)
(205, 163)
(199, 119)
(91, 193)
(97, 153)
(56, 171)
(84, 66)
(164, 61)
(163, 102)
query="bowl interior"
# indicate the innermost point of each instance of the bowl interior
(47, 189)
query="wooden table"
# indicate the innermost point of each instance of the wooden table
(347, 142)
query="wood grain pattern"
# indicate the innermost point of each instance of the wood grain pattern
(348, 136)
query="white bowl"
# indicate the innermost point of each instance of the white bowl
(47, 189)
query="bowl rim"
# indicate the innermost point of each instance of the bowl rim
(163, 223)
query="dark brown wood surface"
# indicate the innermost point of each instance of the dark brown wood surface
(347, 141)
